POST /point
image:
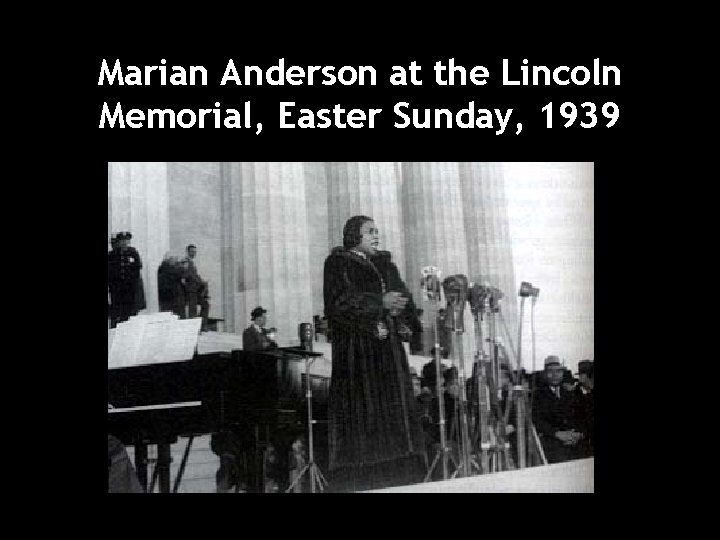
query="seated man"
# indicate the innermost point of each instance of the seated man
(585, 407)
(122, 477)
(256, 337)
(554, 415)
(236, 448)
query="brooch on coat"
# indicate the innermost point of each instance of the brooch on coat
(382, 330)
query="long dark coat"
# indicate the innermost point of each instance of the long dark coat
(171, 293)
(127, 292)
(552, 414)
(373, 419)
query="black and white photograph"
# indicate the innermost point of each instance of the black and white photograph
(343, 327)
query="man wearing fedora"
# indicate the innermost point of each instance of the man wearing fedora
(554, 415)
(256, 337)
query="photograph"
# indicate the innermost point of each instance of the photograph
(343, 327)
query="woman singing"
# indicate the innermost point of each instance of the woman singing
(375, 435)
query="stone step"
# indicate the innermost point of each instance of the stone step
(196, 470)
(197, 485)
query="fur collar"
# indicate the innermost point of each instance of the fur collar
(368, 262)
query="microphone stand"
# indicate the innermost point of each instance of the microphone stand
(467, 462)
(316, 476)
(501, 458)
(482, 428)
(524, 421)
(443, 451)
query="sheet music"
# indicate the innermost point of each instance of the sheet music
(212, 342)
(179, 340)
(152, 339)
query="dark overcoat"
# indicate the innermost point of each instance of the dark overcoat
(124, 279)
(372, 415)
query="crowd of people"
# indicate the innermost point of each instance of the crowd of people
(562, 406)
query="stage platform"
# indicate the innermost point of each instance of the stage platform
(569, 477)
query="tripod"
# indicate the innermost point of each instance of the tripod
(432, 289)
(527, 438)
(311, 468)
(494, 448)
(467, 461)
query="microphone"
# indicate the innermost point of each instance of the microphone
(430, 282)
(306, 335)
(456, 294)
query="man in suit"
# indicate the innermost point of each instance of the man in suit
(586, 407)
(555, 416)
(232, 446)
(255, 336)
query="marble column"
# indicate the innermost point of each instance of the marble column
(371, 189)
(138, 202)
(434, 223)
(195, 201)
(316, 197)
(489, 246)
(265, 225)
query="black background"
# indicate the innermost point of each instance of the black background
(612, 149)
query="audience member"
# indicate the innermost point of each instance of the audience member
(554, 415)
(585, 407)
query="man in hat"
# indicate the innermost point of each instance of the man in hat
(196, 288)
(554, 415)
(586, 407)
(256, 337)
(127, 294)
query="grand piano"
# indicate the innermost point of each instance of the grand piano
(258, 393)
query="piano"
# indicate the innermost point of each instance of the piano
(261, 393)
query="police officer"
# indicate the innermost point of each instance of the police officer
(127, 293)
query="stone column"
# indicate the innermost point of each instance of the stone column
(435, 231)
(195, 200)
(371, 189)
(138, 202)
(266, 226)
(487, 229)
(316, 197)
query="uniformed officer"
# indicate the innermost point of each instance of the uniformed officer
(127, 293)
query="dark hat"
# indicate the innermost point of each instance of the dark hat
(257, 312)
(568, 376)
(123, 236)
(586, 366)
(552, 360)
